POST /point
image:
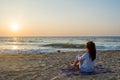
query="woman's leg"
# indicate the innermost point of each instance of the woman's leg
(76, 64)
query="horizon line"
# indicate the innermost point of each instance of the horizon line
(68, 36)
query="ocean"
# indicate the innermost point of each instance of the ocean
(55, 44)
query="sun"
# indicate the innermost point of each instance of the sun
(15, 27)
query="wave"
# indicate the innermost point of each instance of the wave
(108, 47)
(65, 45)
(54, 49)
(81, 46)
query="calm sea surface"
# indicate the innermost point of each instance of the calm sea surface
(36, 44)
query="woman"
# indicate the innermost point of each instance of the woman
(87, 61)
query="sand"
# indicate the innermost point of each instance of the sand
(47, 66)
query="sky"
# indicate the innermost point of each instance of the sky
(60, 17)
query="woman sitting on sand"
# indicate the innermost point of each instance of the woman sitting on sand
(86, 62)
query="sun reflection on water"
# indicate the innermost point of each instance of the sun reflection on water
(14, 47)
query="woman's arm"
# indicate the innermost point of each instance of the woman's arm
(76, 62)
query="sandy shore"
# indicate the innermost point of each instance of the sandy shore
(47, 66)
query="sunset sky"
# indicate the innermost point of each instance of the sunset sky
(59, 17)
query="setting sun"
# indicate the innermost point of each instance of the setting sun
(15, 27)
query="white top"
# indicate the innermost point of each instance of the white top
(88, 64)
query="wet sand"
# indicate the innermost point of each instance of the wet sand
(47, 66)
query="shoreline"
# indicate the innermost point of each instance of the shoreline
(57, 51)
(47, 66)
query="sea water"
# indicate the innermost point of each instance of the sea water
(36, 44)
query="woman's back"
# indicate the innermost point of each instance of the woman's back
(87, 64)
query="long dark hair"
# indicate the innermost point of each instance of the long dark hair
(90, 45)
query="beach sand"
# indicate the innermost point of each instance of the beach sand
(47, 66)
